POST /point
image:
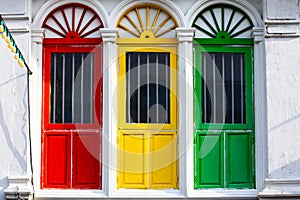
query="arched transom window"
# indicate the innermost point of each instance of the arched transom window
(220, 21)
(72, 21)
(147, 21)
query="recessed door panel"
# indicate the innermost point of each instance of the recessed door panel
(239, 160)
(133, 160)
(209, 158)
(163, 160)
(57, 159)
(86, 160)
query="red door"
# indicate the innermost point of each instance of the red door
(72, 115)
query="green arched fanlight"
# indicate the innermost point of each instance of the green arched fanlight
(222, 21)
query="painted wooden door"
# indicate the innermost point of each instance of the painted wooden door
(72, 120)
(223, 117)
(223, 101)
(147, 118)
(72, 98)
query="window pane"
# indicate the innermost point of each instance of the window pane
(223, 91)
(147, 87)
(72, 88)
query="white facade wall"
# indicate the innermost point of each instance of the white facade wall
(282, 19)
(281, 170)
(14, 154)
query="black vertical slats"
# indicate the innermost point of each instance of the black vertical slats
(72, 73)
(148, 82)
(223, 70)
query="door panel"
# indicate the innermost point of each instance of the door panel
(86, 159)
(163, 160)
(57, 159)
(239, 160)
(133, 160)
(209, 160)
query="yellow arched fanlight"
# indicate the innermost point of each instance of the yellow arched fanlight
(147, 21)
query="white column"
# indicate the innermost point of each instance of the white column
(185, 99)
(109, 138)
(35, 91)
(260, 102)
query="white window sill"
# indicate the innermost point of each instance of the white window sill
(140, 193)
(148, 193)
(72, 194)
(224, 193)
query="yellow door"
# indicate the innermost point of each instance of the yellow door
(147, 118)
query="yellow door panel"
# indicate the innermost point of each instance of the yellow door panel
(133, 162)
(163, 160)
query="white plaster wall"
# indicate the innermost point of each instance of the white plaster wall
(17, 7)
(283, 88)
(13, 116)
(13, 96)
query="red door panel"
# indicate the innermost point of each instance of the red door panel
(57, 160)
(86, 160)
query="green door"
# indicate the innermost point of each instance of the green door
(223, 116)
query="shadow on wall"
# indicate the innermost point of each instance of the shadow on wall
(3, 186)
(290, 170)
(18, 157)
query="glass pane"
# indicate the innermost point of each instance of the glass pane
(223, 91)
(72, 88)
(147, 87)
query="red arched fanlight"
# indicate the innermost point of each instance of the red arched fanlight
(72, 22)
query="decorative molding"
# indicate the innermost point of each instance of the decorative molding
(37, 35)
(19, 188)
(282, 28)
(109, 34)
(258, 34)
(185, 34)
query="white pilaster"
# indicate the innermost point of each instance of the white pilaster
(35, 98)
(260, 106)
(185, 99)
(109, 154)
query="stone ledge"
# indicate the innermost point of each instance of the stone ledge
(281, 189)
(19, 188)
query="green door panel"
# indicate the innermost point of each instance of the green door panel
(239, 160)
(209, 160)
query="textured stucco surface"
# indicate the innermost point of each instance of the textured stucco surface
(283, 83)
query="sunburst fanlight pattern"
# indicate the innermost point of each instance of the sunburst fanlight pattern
(222, 21)
(72, 21)
(146, 21)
